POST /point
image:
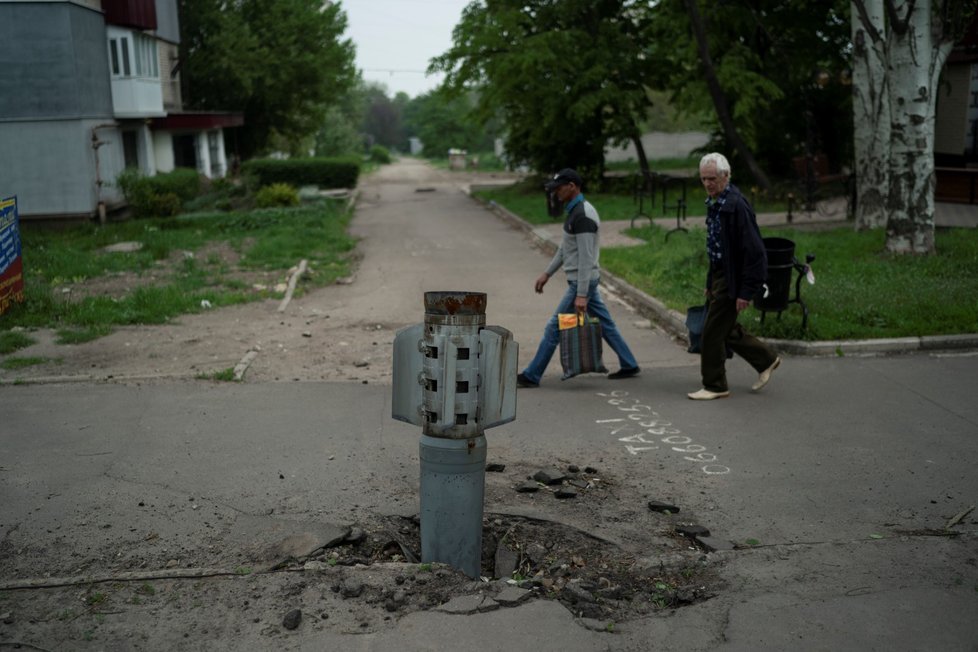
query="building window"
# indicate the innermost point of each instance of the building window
(124, 46)
(134, 55)
(119, 56)
(147, 61)
(114, 55)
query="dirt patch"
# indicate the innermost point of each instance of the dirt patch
(218, 259)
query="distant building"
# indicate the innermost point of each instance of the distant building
(956, 124)
(87, 89)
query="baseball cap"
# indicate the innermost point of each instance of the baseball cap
(566, 175)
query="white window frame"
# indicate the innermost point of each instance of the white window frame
(133, 55)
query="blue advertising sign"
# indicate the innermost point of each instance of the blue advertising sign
(11, 266)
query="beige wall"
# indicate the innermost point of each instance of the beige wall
(172, 100)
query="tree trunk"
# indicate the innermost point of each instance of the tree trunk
(643, 161)
(917, 56)
(720, 100)
(871, 113)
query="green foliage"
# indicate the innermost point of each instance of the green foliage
(11, 341)
(277, 194)
(382, 117)
(270, 239)
(224, 375)
(783, 74)
(443, 122)
(82, 335)
(182, 182)
(221, 194)
(323, 172)
(614, 198)
(379, 154)
(161, 195)
(856, 283)
(14, 363)
(565, 76)
(338, 135)
(860, 290)
(283, 63)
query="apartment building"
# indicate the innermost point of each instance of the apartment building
(87, 89)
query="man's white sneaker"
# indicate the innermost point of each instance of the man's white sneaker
(706, 395)
(765, 376)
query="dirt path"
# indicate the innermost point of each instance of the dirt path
(332, 333)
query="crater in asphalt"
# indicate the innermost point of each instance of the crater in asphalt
(593, 577)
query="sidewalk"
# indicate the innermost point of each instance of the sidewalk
(613, 235)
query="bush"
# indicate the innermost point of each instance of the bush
(159, 196)
(182, 182)
(379, 154)
(277, 194)
(340, 172)
(166, 204)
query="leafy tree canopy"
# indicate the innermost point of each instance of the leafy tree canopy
(565, 76)
(445, 121)
(783, 67)
(283, 63)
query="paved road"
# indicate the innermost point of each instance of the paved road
(841, 475)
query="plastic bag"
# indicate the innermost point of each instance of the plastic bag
(580, 345)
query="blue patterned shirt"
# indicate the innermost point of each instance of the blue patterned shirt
(714, 228)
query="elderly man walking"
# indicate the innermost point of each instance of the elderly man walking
(738, 269)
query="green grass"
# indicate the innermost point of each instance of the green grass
(15, 363)
(224, 375)
(268, 240)
(690, 163)
(528, 200)
(860, 291)
(11, 341)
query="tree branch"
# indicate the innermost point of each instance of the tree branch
(866, 23)
(898, 25)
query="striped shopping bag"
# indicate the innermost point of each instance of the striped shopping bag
(580, 345)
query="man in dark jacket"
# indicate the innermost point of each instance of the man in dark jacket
(738, 269)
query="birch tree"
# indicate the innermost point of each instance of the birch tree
(899, 50)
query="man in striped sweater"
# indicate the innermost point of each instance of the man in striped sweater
(578, 255)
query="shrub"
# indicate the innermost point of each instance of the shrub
(182, 182)
(165, 204)
(379, 154)
(323, 172)
(277, 194)
(160, 196)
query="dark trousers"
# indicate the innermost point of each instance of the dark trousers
(721, 331)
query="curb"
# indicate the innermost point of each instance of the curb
(675, 323)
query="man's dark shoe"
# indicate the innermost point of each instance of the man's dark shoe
(523, 381)
(624, 373)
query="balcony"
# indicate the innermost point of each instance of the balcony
(137, 97)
